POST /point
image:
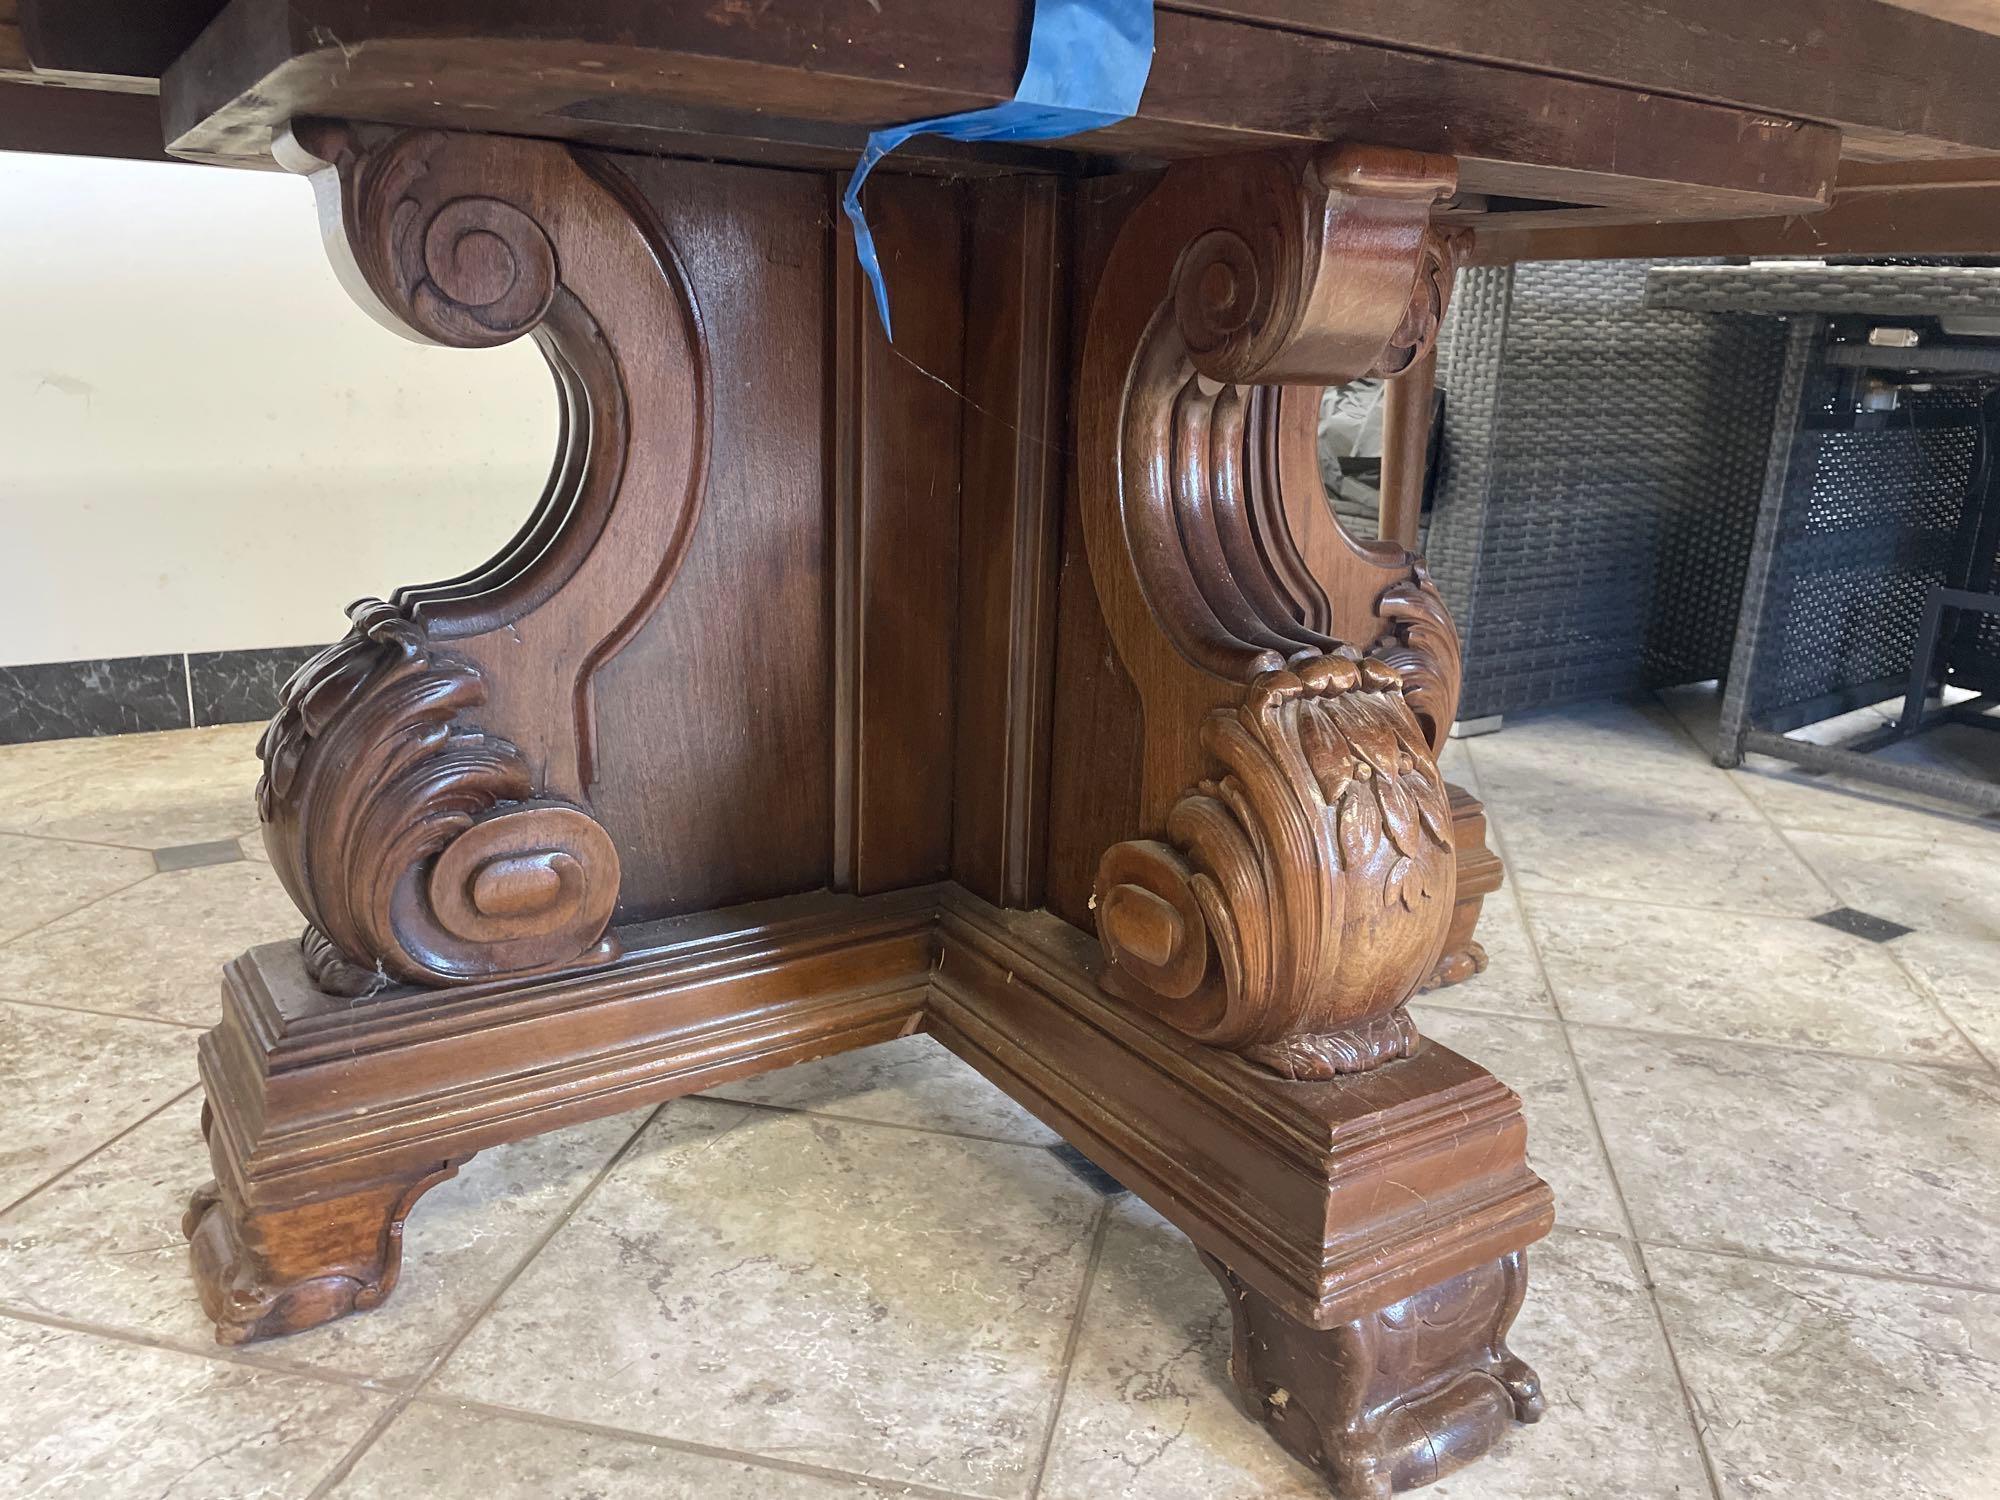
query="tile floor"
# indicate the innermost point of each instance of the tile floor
(1775, 1145)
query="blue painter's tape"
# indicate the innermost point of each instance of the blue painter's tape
(1087, 67)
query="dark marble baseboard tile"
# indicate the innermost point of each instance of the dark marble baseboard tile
(135, 694)
(70, 699)
(241, 687)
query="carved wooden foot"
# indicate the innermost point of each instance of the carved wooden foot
(272, 1272)
(1393, 1400)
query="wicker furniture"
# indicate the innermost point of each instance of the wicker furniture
(1880, 505)
(1597, 487)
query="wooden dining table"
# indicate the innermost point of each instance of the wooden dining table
(1010, 682)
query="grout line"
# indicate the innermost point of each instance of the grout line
(345, 1466)
(187, 677)
(60, 838)
(1697, 1423)
(116, 1015)
(99, 1148)
(1711, 1038)
(1732, 909)
(1829, 1268)
(1923, 987)
(1069, 1349)
(1922, 990)
(766, 1461)
(820, 1114)
(1495, 833)
(214, 1353)
(86, 906)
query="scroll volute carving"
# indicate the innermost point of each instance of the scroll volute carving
(427, 779)
(1300, 882)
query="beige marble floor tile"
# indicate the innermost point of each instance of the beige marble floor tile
(1963, 975)
(1601, 759)
(42, 879)
(887, 1302)
(156, 949)
(910, 1081)
(1147, 1414)
(1836, 1387)
(1676, 861)
(443, 1451)
(1456, 763)
(1531, 1059)
(1943, 886)
(89, 1418)
(1512, 984)
(187, 787)
(1834, 804)
(1802, 1156)
(1766, 979)
(72, 1081)
(104, 1244)
(25, 767)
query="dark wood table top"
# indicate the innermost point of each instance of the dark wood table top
(1564, 115)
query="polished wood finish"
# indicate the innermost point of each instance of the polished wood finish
(684, 75)
(1014, 681)
(1333, 1205)
(329, 1118)
(1291, 881)
(1930, 207)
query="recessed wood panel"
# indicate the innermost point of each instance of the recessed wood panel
(714, 724)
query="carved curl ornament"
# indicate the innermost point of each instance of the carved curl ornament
(1300, 894)
(426, 779)
(414, 845)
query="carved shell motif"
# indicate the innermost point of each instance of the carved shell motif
(1303, 893)
(417, 849)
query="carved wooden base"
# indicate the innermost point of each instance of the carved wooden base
(1329, 1054)
(1395, 1399)
(1373, 1202)
(263, 1274)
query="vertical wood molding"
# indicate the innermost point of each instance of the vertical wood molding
(893, 489)
(1015, 446)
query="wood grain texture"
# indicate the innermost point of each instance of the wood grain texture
(328, 1118)
(78, 122)
(1016, 441)
(1395, 1399)
(422, 847)
(894, 490)
(96, 44)
(1902, 80)
(1899, 208)
(1291, 882)
(618, 73)
(1332, 1204)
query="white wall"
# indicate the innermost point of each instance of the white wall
(204, 444)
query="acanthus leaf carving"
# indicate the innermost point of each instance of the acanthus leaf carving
(416, 846)
(1420, 643)
(1302, 893)
(1296, 899)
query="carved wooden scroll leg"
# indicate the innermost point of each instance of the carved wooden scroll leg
(1299, 867)
(1288, 904)
(427, 785)
(267, 1272)
(1396, 1399)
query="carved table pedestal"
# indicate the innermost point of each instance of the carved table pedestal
(1011, 684)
